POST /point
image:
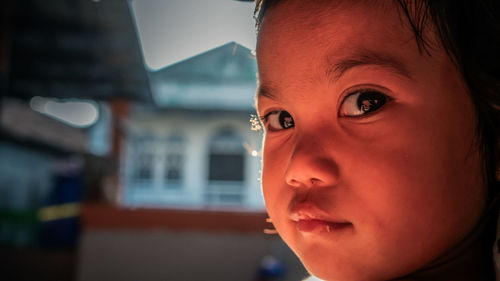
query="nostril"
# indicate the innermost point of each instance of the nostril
(305, 183)
(308, 168)
(293, 182)
(315, 181)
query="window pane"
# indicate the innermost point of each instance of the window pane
(174, 162)
(144, 165)
(226, 167)
(144, 160)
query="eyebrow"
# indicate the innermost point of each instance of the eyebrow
(335, 71)
(262, 91)
(365, 58)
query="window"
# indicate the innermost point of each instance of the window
(226, 169)
(157, 162)
(143, 158)
(173, 162)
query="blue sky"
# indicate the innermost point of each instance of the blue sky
(173, 30)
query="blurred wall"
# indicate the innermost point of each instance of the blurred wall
(180, 256)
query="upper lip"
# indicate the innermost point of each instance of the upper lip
(310, 211)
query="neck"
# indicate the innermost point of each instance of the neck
(471, 259)
(473, 263)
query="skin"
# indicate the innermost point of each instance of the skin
(404, 179)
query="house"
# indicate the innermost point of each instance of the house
(191, 207)
(89, 50)
(195, 148)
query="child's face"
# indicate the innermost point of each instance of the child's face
(370, 169)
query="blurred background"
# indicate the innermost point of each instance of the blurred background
(126, 149)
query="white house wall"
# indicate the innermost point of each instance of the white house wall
(197, 128)
(207, 96)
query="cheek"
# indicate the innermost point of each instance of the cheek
(272, 175)
(423, 181)
(277, 195)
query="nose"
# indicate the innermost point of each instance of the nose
(312, 164)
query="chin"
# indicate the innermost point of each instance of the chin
(334, 269)
(335, 274)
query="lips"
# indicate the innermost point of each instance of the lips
(309, 218)
(319, 226)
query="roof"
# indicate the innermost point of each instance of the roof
(221, 78)
(75, 49)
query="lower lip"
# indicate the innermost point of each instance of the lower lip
(320, 226)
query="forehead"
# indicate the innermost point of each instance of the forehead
(300, 37)
(304, 19)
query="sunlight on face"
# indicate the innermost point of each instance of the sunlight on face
(369, 168)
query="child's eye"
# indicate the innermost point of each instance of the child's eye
(278, 120)
(362, 102)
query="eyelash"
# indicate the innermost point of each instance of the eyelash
(365, 108)
(260, 122)
(256, 122)
(283, 117)
(265, 118)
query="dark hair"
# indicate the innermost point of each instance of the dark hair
(470, 33)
